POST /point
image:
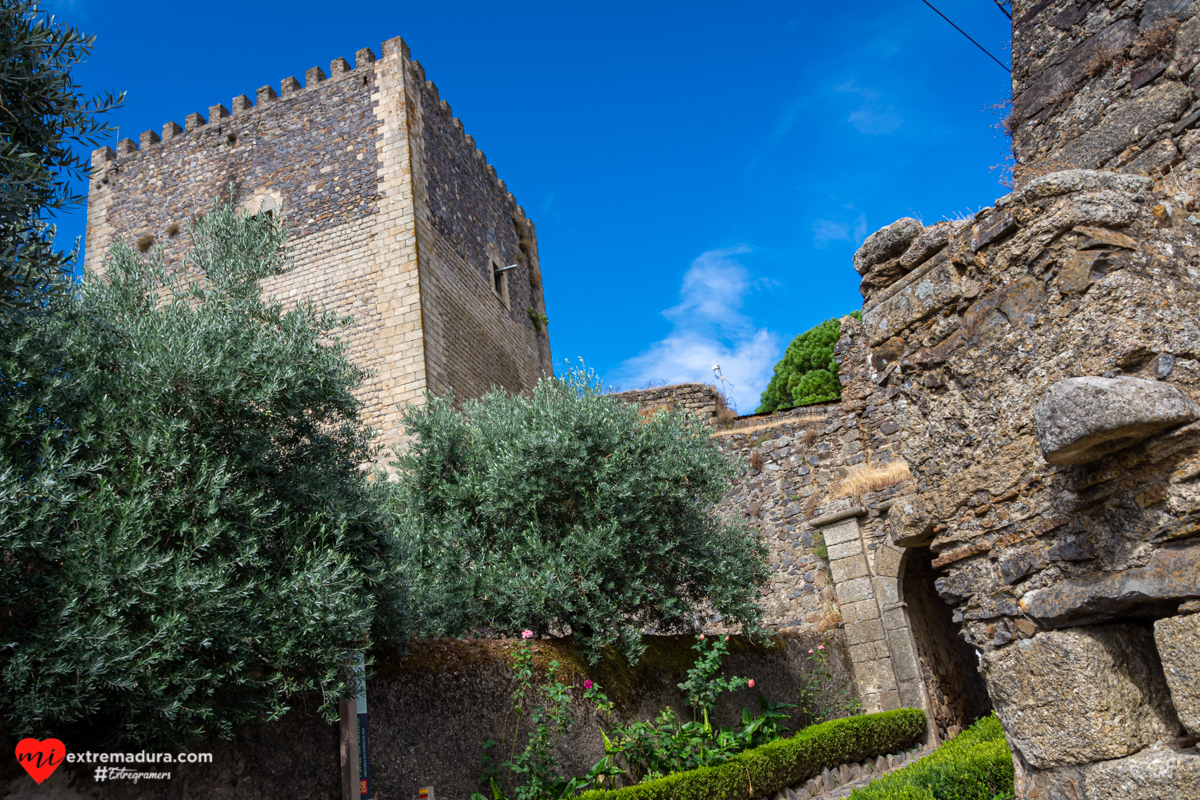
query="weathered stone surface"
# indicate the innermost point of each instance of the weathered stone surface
(1172, 576)
(1058, 81)
(994, 226)
(931, 240)
(1127, 123)
(1076, 272)
(886, 243)
(1153, 774)
(1102, 237)
(1081, 419)
(1072, 181)
(1178, 641)
(936, 288)
(1056, 718)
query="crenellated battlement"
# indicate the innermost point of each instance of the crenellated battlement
(290, 89)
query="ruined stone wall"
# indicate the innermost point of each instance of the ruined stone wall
(832, 565)
(1044, 360)
(1109, 86)
(698, 398)
(390, 212)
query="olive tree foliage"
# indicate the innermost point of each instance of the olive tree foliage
(44, 123)
(566, 510)
(807, 373)
(187, 538)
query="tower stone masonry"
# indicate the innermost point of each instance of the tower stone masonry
(397, 220)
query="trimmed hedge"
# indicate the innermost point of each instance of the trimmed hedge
(786, 762)
(975, 765)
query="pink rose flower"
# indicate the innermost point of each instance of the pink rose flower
(727, 638)
(810, 651)
(752, 683)
(526, 634)
(587, 684)
(702, 636)
(820, 647)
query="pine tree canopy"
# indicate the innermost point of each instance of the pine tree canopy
(807, 373)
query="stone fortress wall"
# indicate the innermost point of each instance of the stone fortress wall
(1045, 359)
(396, 218)
(834, 569)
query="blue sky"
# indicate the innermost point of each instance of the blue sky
(700, 173)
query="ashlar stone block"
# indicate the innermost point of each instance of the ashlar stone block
(1178, 640)
(1080, 695)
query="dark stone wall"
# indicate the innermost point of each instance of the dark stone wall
(1107, 85)
(430, 713)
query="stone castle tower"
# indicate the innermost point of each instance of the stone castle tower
(397, 220)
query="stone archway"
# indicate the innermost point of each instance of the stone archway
(955, 691)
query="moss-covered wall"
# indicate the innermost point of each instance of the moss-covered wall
(430, 712)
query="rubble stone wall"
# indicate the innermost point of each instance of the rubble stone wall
(1109, 86)
(832, 564)
(1045, 359)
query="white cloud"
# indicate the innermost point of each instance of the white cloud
(830, 230)
(710, 328)
(873, 117)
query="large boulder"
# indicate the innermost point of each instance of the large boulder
(886, 243)
(1082, 419)
(1178, 640)
(1080, 695)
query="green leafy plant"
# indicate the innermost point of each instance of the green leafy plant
(764, 770)
(975, 765)
(44, 131)
(703, 686)
(565, 509)
(532, 772)
(188, 539)
(538, 319)
(817, 698)
(807, 372)
(651, 750)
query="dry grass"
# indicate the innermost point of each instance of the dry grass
(1154, 41)
(756, 461)
(867, 478)
(645, 414)
(172, 229)
(768, 425)
(144, 243)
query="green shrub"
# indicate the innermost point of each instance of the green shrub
(807, 373)
(975, 765)
(786, 762)
(566, 507)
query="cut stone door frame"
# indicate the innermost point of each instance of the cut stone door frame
(879, 636)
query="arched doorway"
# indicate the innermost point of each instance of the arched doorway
(956, 691)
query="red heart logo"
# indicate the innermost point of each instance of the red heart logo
(40, 759)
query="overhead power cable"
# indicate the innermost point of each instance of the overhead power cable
(964, 33)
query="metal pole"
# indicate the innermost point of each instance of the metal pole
(356, 762)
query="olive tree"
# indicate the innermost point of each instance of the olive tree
(566, 510)
(187, 537)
